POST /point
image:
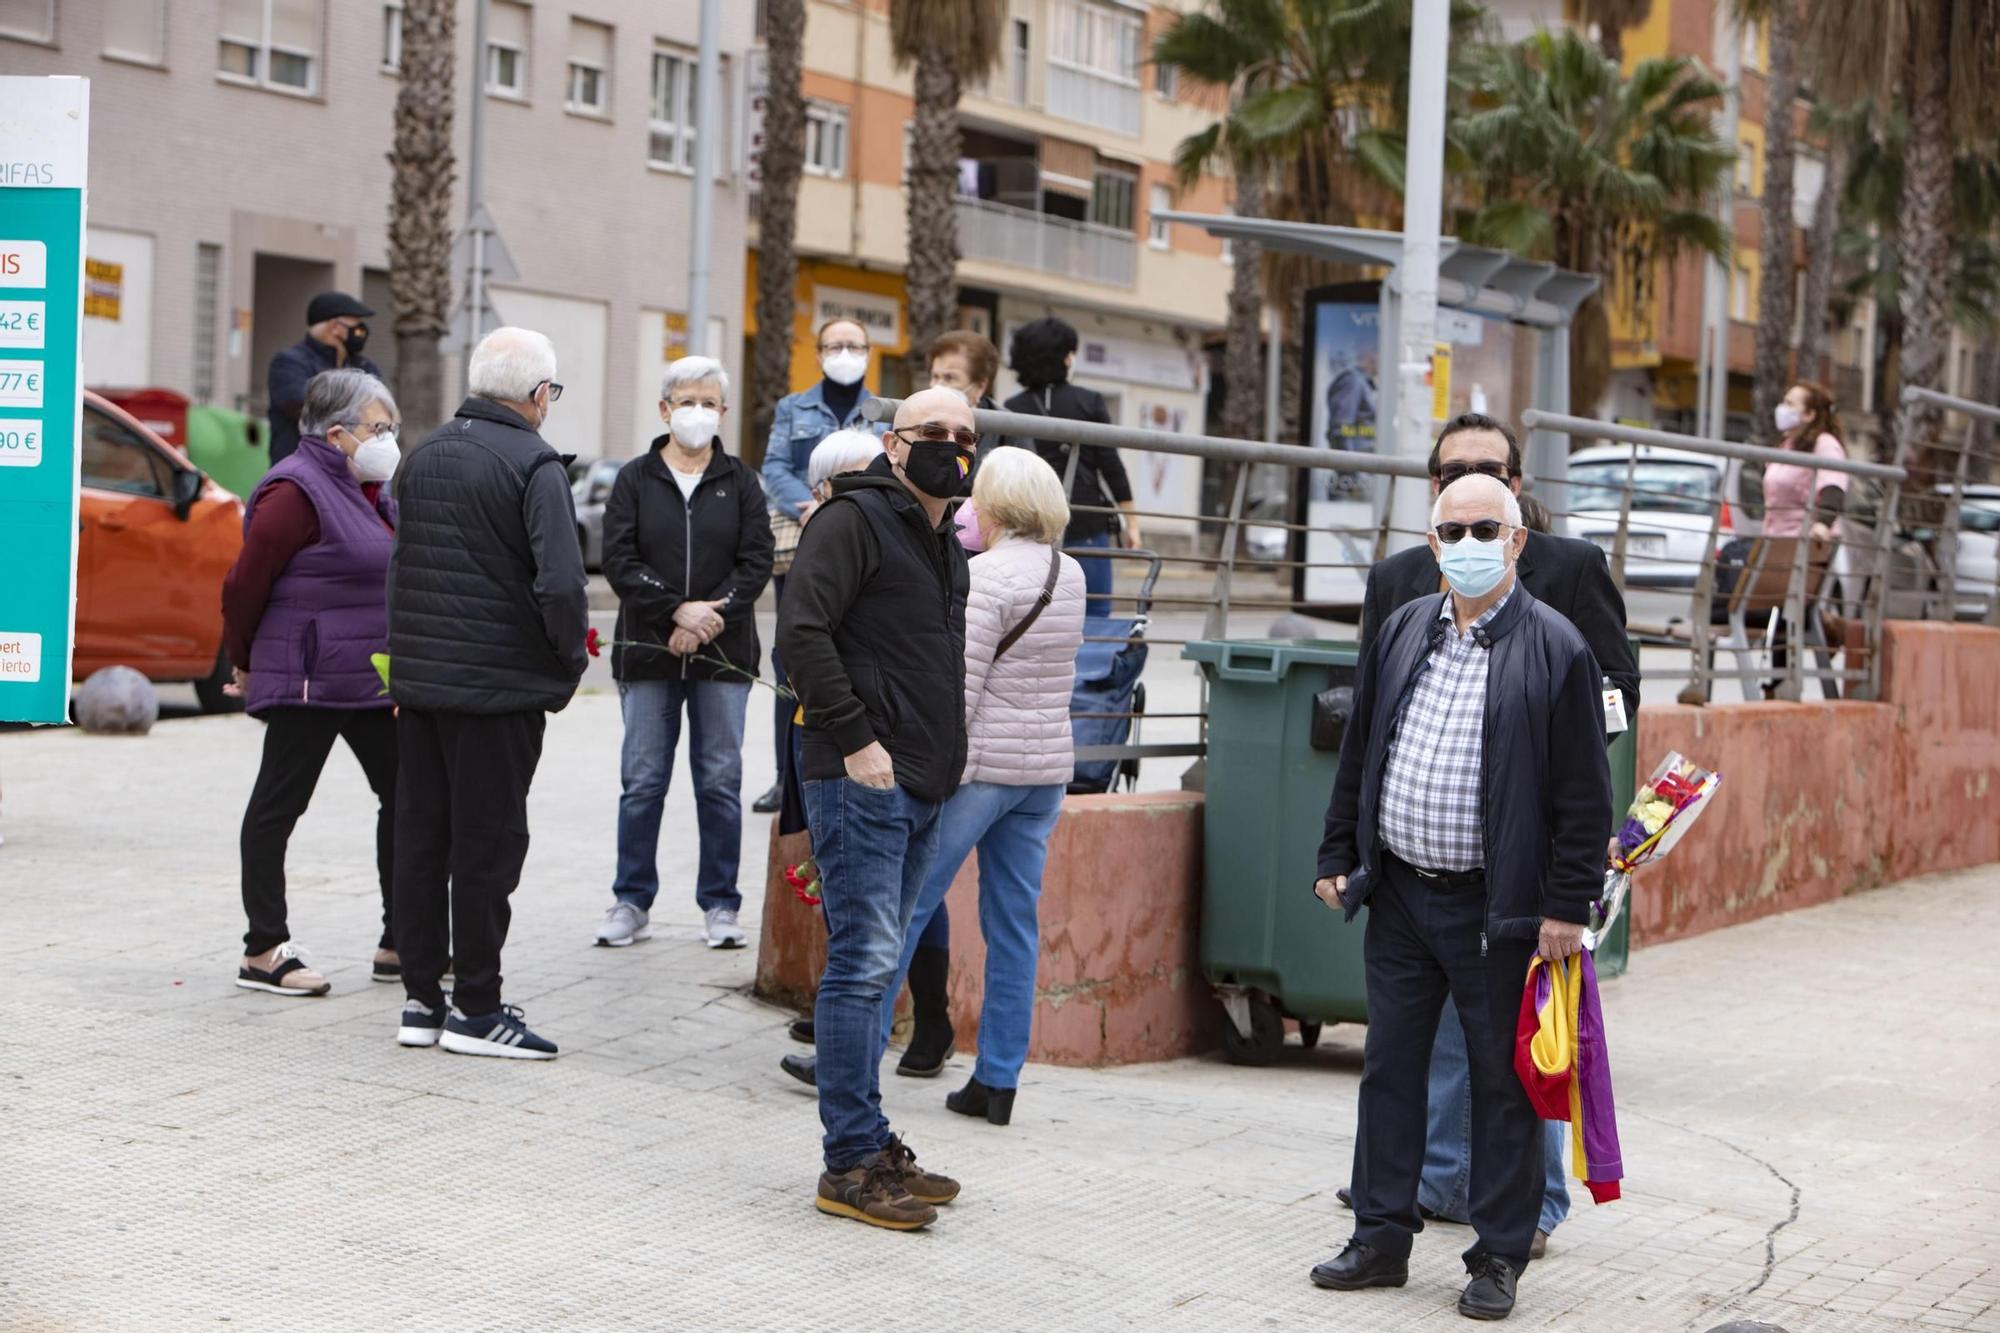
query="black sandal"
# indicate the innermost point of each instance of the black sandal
(273, 981)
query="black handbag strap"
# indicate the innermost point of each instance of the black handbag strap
(1013, 636)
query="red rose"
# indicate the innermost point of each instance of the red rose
(592, 643)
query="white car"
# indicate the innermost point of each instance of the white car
(1674, 496)
(1978, 549)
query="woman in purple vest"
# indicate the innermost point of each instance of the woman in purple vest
(303, 611)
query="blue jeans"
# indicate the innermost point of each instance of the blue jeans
(1448, 1138)
(715, 756)
(1097, 577)
(1010, 826)
(874, 849)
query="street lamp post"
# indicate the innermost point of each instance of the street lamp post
(701, 229)
(1417, 276)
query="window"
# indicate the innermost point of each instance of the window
(1094, 58)
(392, 34)
(1159, 199)
(1746, 166)
(826, 140)
(1112, 198)
(1166, 82)
(34, 20)
(589, 68)
(272, 43)
(207, 285)
(136, 30)
(675, 104)
(507, 28)
(114, 459)
(1017, 64)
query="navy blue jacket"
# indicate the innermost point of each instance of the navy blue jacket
(1546, 781)
(285, 389)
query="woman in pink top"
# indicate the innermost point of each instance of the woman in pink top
(1796, 495)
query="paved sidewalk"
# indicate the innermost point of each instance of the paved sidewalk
(1808, 1111)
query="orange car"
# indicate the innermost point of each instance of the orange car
(157, 537)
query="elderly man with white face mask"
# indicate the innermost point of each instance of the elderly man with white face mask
(687, 548)
(1469, 816)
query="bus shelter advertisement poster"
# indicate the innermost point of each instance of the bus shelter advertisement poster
(1350, 408)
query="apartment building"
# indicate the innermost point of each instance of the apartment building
(239, 163)
(1067, 154)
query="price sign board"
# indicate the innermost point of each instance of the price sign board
(44, 132)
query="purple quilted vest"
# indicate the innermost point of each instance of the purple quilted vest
(328, 611)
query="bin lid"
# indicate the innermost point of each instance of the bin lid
(1269, 659)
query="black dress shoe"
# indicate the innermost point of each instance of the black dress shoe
(801, 1030)
(1360, 1266)
(1490, 1294)
(976, 1099)
(768, 803)
(804, 1068)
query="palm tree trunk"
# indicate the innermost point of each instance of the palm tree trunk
(1242, 360)
(422, 167)
(1925, 221)
(1775, 292)
(777, 218)
(931, 276)
(1813, 332)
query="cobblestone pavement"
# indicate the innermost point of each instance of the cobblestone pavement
(1808, 1109)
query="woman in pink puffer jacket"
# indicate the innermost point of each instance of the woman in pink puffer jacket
(1023, 626)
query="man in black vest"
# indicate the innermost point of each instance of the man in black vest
(872, 630)
(487, 623)
(1571, 578)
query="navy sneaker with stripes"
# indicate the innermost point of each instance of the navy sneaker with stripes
(420, 1024)
(501, 1033)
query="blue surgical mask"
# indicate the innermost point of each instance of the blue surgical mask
(1474, 568)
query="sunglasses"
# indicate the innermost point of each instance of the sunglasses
(933, 433)
(1451, 472)
(1485, 530)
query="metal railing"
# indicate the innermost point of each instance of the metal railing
(1890, 557)
(1028, 239)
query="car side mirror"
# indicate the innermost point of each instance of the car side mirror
(187, 489)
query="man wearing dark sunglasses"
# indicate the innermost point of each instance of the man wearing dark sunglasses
(1469, 815)
(872, 630)
(1571, 578)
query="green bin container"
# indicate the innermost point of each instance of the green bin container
(230, 446)
(1269, 947)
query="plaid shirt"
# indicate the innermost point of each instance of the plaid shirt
(1432, 788)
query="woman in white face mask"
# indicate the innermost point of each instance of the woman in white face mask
(304, 610)
(1804, 498)
(687, 548)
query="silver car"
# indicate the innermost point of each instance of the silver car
(1674, 496)
(590, 482)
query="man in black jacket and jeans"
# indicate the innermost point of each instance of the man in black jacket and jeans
(487, 625)
(1469, 815)
(872, 630)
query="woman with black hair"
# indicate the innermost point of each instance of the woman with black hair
(1041, 355)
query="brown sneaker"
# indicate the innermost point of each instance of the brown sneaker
(873, 1193)
(926, 1186)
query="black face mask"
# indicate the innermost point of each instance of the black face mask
(938, 471)
(357, 338)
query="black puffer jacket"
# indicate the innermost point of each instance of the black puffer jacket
(872, 631)
(487, 594)
(662, 548)
(1101, 481)
(1546, 784)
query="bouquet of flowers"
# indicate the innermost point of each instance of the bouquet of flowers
(1659, 817)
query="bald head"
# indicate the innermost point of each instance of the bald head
(946, 407)
(1476, 496)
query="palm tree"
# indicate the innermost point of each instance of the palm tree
(1773, 373)
(949, 43)
(779, 166)
(1941, 58)
(1821, 249)
(1597, 172)
(420, 232)
(1612, 18)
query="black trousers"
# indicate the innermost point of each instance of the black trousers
(296, 744)
(461, 836)
(1423, 942)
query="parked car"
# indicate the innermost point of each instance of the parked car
(156, 539)
(1674, 496)
(1978, 549)
(590, 482)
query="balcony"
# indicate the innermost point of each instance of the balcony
(1051, 244)
(1092, 98)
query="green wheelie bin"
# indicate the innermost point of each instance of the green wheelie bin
(1271, 950)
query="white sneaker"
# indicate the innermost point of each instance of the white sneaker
(719, 924)
(624, 924)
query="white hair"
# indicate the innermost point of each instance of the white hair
(692, 370)
(1483, 487)
(842, 451)
(509, 363)
(1019, 493)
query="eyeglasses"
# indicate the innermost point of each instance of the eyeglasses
(932, 432)
(1485, 530)
(1451, 472)
(555, 390)
(368, 430)
(843, 347)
